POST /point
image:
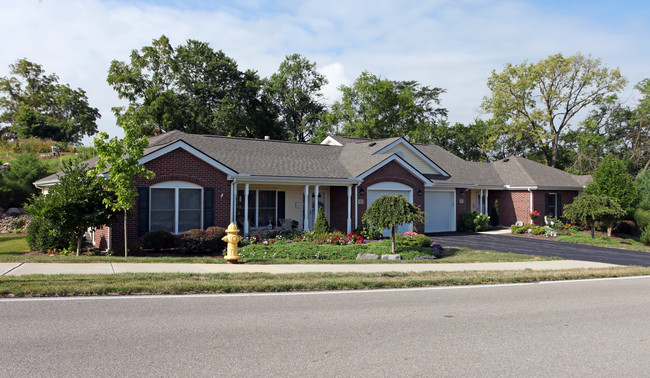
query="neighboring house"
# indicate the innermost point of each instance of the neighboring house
(204, 180)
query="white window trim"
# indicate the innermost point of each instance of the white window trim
(176, 185)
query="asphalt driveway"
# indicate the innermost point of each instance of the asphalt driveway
(522, 245)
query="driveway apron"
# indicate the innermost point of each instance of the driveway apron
(523, 245)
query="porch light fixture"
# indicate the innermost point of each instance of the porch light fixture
(361, 191)
(420, 192)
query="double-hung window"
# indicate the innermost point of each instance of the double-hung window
(175, 207)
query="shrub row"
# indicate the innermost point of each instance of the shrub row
(192, 242)
(473, 222)
(534, 229)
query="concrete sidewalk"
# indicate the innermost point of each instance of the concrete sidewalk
(19, 269)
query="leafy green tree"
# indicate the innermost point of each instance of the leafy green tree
(390, 211)
(16, 181)
(191, 88)
(535, 102)
(36, 105)
(611, 179)
(373, 107)
(295, 90)
(643, 181)
(121, 158)
(593, 208)
(74, 204)
(473, 142)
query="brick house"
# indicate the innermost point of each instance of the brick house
(205, 180)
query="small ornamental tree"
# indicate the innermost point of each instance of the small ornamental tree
(592, 208)
(74, 204)
(390, 211)
(321, 226)
(121, 159)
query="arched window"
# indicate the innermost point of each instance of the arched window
(175, 206)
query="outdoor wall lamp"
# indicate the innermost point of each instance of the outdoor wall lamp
(420, 192)
(361, 191)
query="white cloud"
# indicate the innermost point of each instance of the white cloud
(449, 44)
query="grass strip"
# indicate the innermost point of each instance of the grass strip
(185, 283)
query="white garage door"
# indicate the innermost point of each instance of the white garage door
(440, 210)
(375, 191)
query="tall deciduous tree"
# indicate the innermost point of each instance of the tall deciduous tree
(373, 107)
(390, 211)
(121, 158)
(295, 90)
(191, 88)
(75, 203)
(35, 104)
(537, 101)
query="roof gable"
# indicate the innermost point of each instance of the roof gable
(414, 157)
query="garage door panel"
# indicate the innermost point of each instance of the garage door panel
(439, 207)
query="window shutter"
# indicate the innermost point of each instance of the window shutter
(559, 205)
(143, 210)
(281, 206)
(208, 207)
(547, 202)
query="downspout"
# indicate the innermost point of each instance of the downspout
(531, 204)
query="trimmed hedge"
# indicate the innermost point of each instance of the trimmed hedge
(192, 242)
(534, 229)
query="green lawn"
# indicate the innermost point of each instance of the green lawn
(13, 249)
(631, 242)
(184, 283)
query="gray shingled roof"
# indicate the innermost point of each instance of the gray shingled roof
(355, 156)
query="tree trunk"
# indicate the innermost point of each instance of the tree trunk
(126, 249)
(593, 229)
(392, 239)
(609, 230)
(554, 147)
(79, 240)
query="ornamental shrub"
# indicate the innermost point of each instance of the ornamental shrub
(321, 226)
(42, 236)
(158, 240)
(473, 222)
(202, 242)
(645, 236)
(642, 218)
(368, 231)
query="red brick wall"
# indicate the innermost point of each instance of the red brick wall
(514, 205)
(392, 172)
(180, 165)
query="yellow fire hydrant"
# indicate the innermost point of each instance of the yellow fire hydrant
(232, 239)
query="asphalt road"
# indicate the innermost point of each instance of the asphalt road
(586, 328)
(570, 251)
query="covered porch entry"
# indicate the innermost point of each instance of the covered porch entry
(258, 205)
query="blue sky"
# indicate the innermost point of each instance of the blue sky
(454, 45)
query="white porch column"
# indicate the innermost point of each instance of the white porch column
(480, 201)
(531, 204)
(233, 202)
(349, 229)
(305, 223)
(315, 203)
(487, 211)
(246, 187)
